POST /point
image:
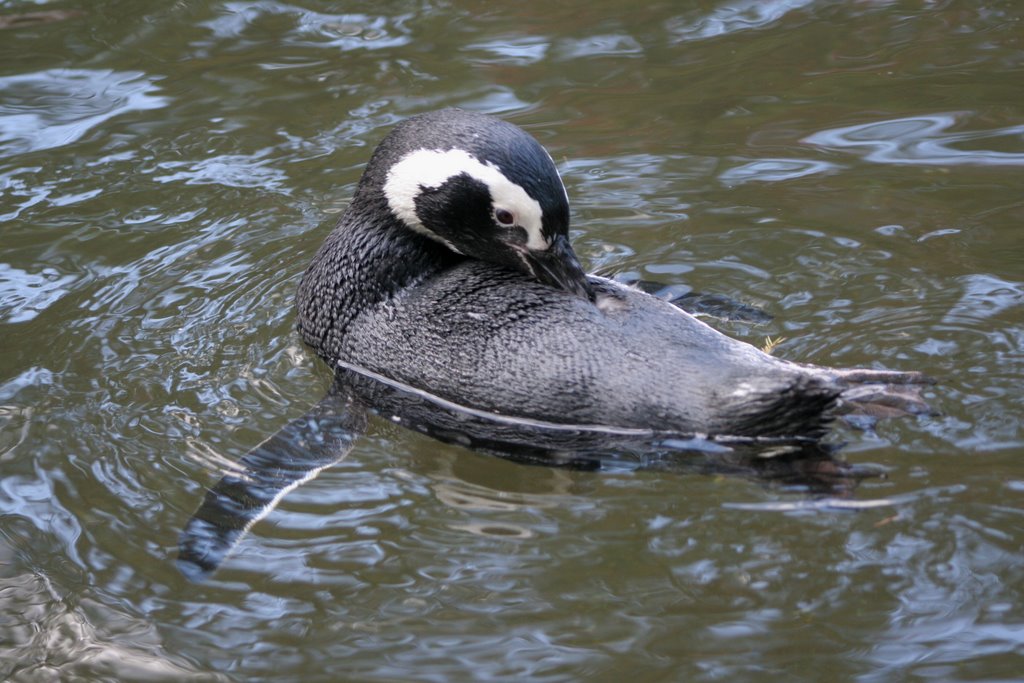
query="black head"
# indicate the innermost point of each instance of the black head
(482, 187)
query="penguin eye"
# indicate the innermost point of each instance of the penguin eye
(504, 217)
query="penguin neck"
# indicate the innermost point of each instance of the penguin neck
(366, 260)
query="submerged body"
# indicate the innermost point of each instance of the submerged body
(450, 273)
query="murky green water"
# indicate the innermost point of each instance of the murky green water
(167, 169)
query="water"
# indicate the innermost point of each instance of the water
(167, 170)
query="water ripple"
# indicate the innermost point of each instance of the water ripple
(985, 296)
(56, 107)
(231, 170)
(735, 16)
(23, 295)
(776, 170)
(513, 49)
(919, 140)
(598, 45)
(53, 636)
(312, 29)
(146, 320)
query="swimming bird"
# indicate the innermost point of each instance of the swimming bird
(451, 275)
(449, 298)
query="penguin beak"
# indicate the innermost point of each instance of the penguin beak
(558, 266)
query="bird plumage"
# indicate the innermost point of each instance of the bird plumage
(423, 285)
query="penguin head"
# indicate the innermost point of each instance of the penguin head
(482, 187)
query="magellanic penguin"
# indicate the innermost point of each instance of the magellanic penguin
(448, 298)
(451, 275)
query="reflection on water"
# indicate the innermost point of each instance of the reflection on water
(345, 32)
(985, 296)
(49, 110)
(167, 170)
(229, 169)
(57, 107)
(42, 618)
(921, 140)
(776, 170)
(733, 16)
(23, 295)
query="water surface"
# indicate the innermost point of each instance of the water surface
(167, 169)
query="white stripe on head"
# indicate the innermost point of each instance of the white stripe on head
(431, 168)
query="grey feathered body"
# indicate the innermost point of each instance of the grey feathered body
(493, 339)
(391, 292)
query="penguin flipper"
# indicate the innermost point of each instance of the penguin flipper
(289, 458)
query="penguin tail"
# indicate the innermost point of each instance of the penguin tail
(877, 394)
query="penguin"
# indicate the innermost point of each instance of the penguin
(449, 298)
(451, 273)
